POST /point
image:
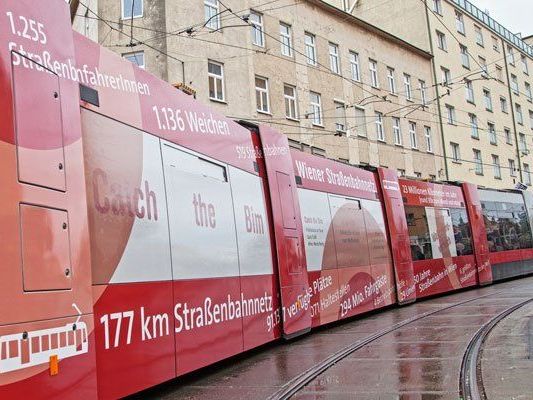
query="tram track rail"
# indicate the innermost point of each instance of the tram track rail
(293, 386)
(471, 379)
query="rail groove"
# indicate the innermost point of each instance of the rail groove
(292, 387)
(471, 381)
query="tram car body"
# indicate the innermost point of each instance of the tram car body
(145, 236)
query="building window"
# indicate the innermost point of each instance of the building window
(423, 94)
(531, 119)
(261, 95)
(474, 125)
(132, 9)
(519, 115)
(334, 63)
(525, 67)
(456, 154)
(136, 58)
(379, 127)
(446, 76)
(492, 133)
(391, 79)
(479, 36)
(285, 35)
(512, 167)
(407, 85)
(316, 108)
(429, 139)
(478, 162)
(459, 21)
(510, 55)
(418, 175)
(469, 91)
(503, 104)
(484, 68)
(310, 48)
(508, 136)
(499, 73)
(527, 175)
(340, 117)
(291, 108)
(529, 94)
(522, 143)
(412, 135)
(216, 80)
(441, 41)
(450, 112)
(514, 84)
(496, 44)
(212, 14)
(397, 131)
(354, 66)
(318, 152)
(496, 167)
(258, 35)
(437, 6)
(360, 121)
(373, 65)
(488, 99)
(465, 58)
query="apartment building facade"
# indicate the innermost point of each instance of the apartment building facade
(484, 92)
(337, 86)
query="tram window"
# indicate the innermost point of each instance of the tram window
(199, 166)
(419, 234)
(461, 231)
(507, 226)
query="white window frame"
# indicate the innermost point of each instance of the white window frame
(291, 100)
(374, 78)
(456, 152)
(446, 76)
(528, 92)
(469, 91)
(460, 22)
(510, 55)
(450, 113)
(361, 123)
(465, 58)
(491, 128)
(213, 21)
(478, 161)
(441, 41)
(334, 60)
(504, 105)
(525, 67)
(407, 86)
(429, 139)
(217, 78)
(380, 132)
(316, 108)
(133, 58)
(474, 125)
(508, 136)
(496, 167)
(512, 167)
(310, 48)
(514, 84)
(341, 125)
(123, 10)
(423, 92)
(257, 29)
(263, 101)
(437, 6)
(391, 79)
(479, 36)
(355, 69)
(519, 114)
(286, 39)
(412, 135)
(397, 131)
(527, 175)
(487, 98)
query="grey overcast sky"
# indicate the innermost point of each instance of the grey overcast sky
(515, 15)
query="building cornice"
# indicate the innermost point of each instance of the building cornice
(369, 27)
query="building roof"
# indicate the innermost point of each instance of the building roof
(493, 25)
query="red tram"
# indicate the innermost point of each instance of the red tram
(145, 236)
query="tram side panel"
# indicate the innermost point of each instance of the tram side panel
(440, 237)
(45, 286)
(182, 264)
(346, 246)
(508, 231)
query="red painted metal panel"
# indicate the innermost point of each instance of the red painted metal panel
(399, 237)
(479, 234)
(293, 277)
(45, 248)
